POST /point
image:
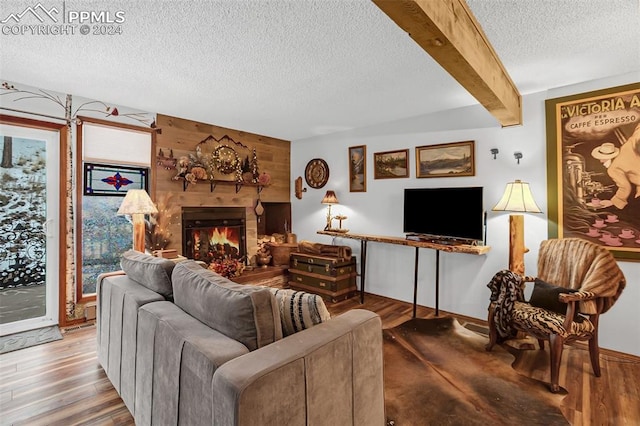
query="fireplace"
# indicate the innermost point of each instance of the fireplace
(213, 233)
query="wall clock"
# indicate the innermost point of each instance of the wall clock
(316, 173)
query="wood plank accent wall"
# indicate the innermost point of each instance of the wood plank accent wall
(182, 136)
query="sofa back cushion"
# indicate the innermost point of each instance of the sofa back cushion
(299, 310)
(152, 272)
(245, 313)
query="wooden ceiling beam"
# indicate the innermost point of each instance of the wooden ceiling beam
(448, 31)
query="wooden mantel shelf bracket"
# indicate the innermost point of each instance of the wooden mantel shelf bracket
(213, 183)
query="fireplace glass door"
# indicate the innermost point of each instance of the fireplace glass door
(212, 234)
(211, 243)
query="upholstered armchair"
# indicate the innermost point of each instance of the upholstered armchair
(577, 281)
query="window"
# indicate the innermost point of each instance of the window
(115, 158)
(105, 235)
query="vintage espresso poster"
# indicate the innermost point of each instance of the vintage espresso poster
(593, 154)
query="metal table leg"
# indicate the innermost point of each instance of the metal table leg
(415, 281)
(363, 267)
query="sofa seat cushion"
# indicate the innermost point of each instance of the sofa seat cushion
(543, 322)
(152, 272)
(245, 313)
(299, 310)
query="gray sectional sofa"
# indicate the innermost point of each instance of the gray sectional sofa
(183, 345)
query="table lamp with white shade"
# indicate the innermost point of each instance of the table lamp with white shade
(517, 197)
(137, 203)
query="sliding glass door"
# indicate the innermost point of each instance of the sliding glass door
(29, 227)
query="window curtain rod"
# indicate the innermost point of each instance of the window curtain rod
(38, 114)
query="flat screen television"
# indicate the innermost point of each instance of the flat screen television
(444, 214)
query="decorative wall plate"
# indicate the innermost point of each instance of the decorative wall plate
(316, 173)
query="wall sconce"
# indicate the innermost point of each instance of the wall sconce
(329, 199)
(518, 156)
(298, 188)
(495, 152)
(137, 203)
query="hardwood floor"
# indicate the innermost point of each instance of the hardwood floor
(62, 383)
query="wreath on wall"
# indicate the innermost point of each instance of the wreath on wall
(226, 160)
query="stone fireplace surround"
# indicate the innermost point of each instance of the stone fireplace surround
(213, 233)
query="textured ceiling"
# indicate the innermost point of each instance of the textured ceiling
(293, 69)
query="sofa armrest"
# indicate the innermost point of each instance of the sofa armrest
(331, 373)
(118, 299)
(176, 361)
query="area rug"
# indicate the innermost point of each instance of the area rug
(25, 339)
(438, 373)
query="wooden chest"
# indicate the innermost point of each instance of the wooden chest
(332, 278)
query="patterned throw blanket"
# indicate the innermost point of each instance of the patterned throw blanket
(507, 288)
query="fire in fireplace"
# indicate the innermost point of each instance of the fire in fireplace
(213, 233)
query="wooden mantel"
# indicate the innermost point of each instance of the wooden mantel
(448, 31)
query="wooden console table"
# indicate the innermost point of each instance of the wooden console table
(438, 247)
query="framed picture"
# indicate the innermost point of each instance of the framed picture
(593, 159)
(446, 160)
(358, 168)
(391, 164)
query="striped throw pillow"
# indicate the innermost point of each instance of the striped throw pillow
(299, 310)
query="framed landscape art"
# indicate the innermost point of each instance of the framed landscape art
(593, 159)
(446, 160)
(391, 164)
(358, 168)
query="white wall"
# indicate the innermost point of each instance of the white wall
(463, 278)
